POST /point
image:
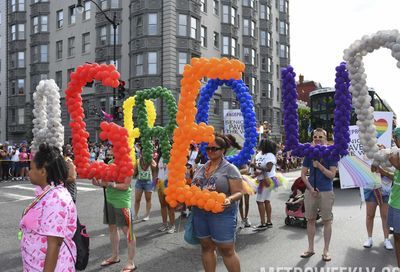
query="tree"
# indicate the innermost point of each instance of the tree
(304, 123)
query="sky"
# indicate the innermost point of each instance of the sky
(321, 29)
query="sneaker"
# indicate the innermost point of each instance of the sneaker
(260, 227)
(146, 218)
(368, 243)
(388, 245)
(171, 230)
(246, 223)
(163, 227)
(269, 225)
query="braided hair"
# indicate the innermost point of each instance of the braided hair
(50, 158)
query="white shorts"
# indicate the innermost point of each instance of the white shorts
(264, 195)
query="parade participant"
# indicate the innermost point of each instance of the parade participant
(70, 183)
(117, 214)
(144, 184)
(15, 162)
(49, 222)
(23, 163)
(166, 210)
(319, 195)
(234, 148)
(217, 230)
(265, 170)
(378, 197)
(193, 154)
(394, 197)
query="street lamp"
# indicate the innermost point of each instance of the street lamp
(79, 7)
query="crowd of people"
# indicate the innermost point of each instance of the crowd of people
(54, 174)
(14, 161)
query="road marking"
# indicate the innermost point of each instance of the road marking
(20, 187)
(16, 197)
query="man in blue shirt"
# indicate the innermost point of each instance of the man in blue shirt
(319, 195)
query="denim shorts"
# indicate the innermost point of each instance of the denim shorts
(394, 219)
(144, 185)
(220, 227)
(369, 196)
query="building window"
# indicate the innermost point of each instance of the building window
(253, 29)
(254, 85)
(44, 23)
(13, 5)
(225, 45)
(21, 115)
(71, 46)
(86, 42)
(152, 63)
(269, 65)
(13, 32)
(35, 54)
(246, 26)
(216, 39)
(35, 24)
(139, 26)
(60, 18)
(44, 53)
(233, 16)
(263, 63)
(103, 35)
(21, 32)
(216, 7)
(182, 61)
(114, 4)
(59, 79)
(21, 59)
(71, 14)
(21, 86)
(263, 38)
(139, 64)
(193, 28)
(263, 12)
(203, 34)
(225, 14)
(268, 13)
(282, 51)
(281, 27)
(246, 54)
(103, 4)
(233, 47)
(17, 5)
(282, 5)
(152, 30)
(112, 35)
(216, 106)
(253, 57)
(182, 25)
(248, 3)
(269, 41)
(203, 5)
(86, 10)
(69, 72)
(269, 90)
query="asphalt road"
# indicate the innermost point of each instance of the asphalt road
(273, 249)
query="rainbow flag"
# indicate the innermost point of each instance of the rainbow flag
(357, 173)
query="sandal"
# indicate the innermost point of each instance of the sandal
(307, 254)
(326, 257)
(109, 262)
(129, 269)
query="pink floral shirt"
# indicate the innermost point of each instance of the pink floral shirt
(54, 215)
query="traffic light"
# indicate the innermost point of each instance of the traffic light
(121, 89)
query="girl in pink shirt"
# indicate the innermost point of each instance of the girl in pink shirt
(49, 222)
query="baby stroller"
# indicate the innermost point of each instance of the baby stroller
(295, 205)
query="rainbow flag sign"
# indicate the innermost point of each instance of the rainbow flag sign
(355, 169)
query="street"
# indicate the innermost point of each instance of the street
(273, 248)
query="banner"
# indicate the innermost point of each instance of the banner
(355, 169)
(234, 124)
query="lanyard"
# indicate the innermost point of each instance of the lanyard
(36, 200)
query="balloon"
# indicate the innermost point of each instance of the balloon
(110, 131)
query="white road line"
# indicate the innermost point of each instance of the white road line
(20, 187)
(85, 189)
(16, 197)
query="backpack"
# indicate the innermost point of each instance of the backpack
(81, 239)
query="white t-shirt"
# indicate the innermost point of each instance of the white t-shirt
(15, 157)
(162, 170)
(192, 157)
(262, 160)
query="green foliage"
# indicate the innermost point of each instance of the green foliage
(304, 120)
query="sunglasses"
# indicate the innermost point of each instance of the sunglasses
(213, 148)
(318, 137)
